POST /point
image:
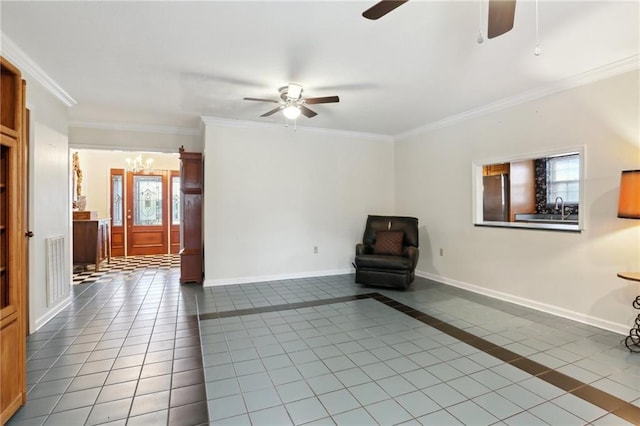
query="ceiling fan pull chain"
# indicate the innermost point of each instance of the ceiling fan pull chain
(480, 39)
(537, 51)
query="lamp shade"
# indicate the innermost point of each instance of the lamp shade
(629, 201)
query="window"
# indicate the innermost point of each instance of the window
(175, 200)
(563, 178)
(147, 202)
(117, 206)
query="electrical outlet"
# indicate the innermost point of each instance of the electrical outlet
(315, 249)
(441, 251)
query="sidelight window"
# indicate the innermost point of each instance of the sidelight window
(175, 200)
(117, 200)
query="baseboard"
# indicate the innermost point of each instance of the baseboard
(543, 307)
(51, 313)
(266, 278)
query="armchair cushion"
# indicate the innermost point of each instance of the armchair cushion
(388, 242)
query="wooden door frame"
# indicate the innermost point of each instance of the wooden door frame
(173, 241)
(130, 214)
(27, 214)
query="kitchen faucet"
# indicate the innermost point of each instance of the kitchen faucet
(561, 207)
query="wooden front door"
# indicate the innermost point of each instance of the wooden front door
(12, 242)
(147, 215)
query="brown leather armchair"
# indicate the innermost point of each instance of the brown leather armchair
(388, 254)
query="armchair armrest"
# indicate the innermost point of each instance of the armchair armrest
(362, 249)
(412, 253)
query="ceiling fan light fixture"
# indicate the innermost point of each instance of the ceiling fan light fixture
(292, 104)
(294, 91)
(291, 111)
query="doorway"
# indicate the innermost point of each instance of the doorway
(108, 184)
(145, 212)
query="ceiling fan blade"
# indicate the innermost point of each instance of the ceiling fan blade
(380, 9)
(261, 100)
(307, 112)
(273, 111)
(501, 16)
(323, 100)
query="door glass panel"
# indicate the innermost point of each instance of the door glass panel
(175, 200)
(4, 242)
(116, 185)
(147, 200)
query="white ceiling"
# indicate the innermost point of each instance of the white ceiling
(168, 63)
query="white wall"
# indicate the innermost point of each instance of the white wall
(49, 195)
(271, 194)
(570, 274)
(96, 165)
(149, 139)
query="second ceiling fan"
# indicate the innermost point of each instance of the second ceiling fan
(501, 14)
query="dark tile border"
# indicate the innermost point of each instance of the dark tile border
(588, 393)
(285, 307)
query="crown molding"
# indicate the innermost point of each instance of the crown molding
(13, 53)
(247, 124)
(168, 130)
(601, 73)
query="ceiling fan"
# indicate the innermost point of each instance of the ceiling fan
(291, 102)
(501, 14)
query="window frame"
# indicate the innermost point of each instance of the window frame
(551, 197)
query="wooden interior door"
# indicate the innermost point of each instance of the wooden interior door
(147, 213)
(117, 212)
(174, 231)
(12, 242)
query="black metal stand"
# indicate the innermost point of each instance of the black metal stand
(632, 341)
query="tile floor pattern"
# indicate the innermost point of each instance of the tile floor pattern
(306, 351)
(126, 351)
(86, 274)
(270, 361)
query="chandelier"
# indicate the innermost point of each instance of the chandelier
(136, 164)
